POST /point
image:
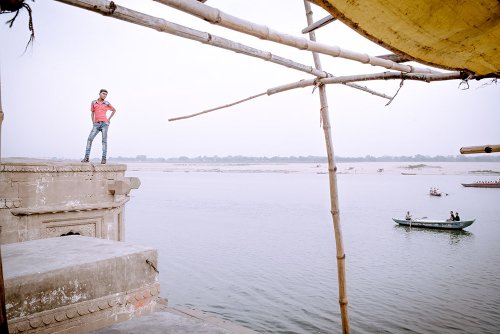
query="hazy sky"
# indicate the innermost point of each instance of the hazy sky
(153, 76)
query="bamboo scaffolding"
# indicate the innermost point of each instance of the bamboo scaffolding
(316, 25)
(215, 16)
(480, 149)
(339, 80)
(367, 77)
(109, 8)
(332, 176)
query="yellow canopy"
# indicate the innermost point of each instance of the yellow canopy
(449, 34)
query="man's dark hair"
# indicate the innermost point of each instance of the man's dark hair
(102, 90)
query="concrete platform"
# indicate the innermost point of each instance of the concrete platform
(75, 284)
(44, 199)
(168, 320)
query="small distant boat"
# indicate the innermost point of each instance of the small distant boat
(435, 223)
(483, 184)
(380, 170)
(403, 173)
(435, 192)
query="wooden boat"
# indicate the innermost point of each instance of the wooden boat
(435, 192)
(435, 223)
(483, 184)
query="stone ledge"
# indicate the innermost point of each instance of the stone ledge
(46, 166)
(74, 284)
(90, 315)
(63, 208)
(41, 275)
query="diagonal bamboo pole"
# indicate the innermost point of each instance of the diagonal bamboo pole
(316, 25)
(215, 16)
(109, 8)
(332, 175)
(1, 118)
(341, 80)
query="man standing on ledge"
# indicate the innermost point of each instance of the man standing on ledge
(100, 121)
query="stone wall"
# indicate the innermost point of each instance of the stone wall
(75, 284)
(43, 199)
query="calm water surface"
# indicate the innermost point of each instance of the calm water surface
(258, 249)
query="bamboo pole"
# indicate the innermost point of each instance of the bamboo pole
(217, 108)
(367, 77)
(215, 16)
(1, 117)
(340, 80)
(480, 149)
(332, 176)
(272, 91)
(4, 327)
(316, 25)
(109, 8)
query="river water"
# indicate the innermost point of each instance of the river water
(255, 246)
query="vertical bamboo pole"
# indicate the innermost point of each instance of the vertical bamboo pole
(4, 328)
(332, 175)
(1, 118)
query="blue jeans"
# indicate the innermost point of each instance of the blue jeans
(99, 126)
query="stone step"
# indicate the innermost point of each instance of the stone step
(75, 284)
(175, 320)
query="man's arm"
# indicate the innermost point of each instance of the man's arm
(92, 113)
(112, 113)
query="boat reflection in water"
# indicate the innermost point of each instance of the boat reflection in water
(455, 236)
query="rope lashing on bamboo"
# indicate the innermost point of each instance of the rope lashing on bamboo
(125, 14)
(112, 8)
(316, 85)
(216, 16)
(465, 81)
(400, 86)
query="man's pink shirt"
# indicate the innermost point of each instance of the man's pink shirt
(99, 109)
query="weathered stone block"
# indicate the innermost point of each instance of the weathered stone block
(71, 284)
(41, 199)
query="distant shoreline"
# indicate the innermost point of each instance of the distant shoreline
(315, 159)
(478, 169)
(290, 159)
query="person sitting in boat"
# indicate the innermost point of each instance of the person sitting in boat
(452, 216)
(408, 216)
(457, 217)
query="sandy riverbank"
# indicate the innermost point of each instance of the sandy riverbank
(444, 168)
